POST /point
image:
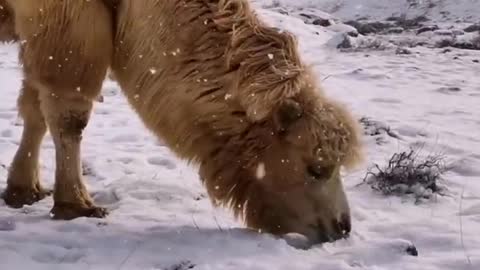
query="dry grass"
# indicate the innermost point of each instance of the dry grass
(408, 173)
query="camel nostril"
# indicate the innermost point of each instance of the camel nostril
(338, 229)
(342, 227)
(346, 224)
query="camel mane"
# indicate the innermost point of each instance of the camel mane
(269, 68)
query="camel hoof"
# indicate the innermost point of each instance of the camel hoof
(69, 211)
(17, 197)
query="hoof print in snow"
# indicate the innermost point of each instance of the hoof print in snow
(7, 225)
(102, 224)
(412, 250)
(449, 90)
(200, 197)
(378, 130)
(184, 265)
(87, 169)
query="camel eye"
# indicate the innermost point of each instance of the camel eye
(320, 173)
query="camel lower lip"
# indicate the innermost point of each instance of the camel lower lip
(297, 240)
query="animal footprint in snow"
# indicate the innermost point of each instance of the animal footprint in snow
(378, 130)
(7, 133)
(7, 225)
(162, 162)
(6, 115)
(449, 90)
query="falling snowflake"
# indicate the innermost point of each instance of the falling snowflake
(260, 173)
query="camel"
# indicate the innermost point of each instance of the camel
(222, 89)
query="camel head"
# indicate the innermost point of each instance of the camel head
(283, 176)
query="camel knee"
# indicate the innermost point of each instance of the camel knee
(72, 123)
(66, 117)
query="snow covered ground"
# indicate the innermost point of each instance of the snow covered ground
(160, 215)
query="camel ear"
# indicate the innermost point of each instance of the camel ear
(288, 113)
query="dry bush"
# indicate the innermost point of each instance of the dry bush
(408, 173)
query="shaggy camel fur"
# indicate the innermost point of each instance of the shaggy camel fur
(222, 89)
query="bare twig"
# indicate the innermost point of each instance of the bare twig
(461, 226)
(218, 225)
(326, 77)
(195, 223)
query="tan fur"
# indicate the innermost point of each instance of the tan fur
(221, 88)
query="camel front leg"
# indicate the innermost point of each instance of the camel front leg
(23, 182)
(67, 50)
(67, 116)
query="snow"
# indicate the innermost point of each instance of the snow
(436, 10)
(161, 217)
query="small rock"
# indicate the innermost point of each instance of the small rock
(467, 44)
(407, 23)
(322, 22)
(393, 19)
(476, 61)
(369, 28)
(183, 265)
(444, 43)
(443, 32)
(395, 30)
(282, 11)
(472, 28)
(412, 250)
(401, 50)
(412, 23)
(353, 34)
(347, 43)
(430, 28)
(446, 51)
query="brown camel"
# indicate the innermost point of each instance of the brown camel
(224, 90)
